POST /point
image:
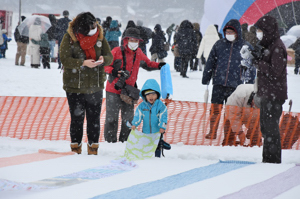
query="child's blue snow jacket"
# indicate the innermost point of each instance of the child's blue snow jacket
(154, 116)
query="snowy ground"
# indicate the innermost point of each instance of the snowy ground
(24, 81)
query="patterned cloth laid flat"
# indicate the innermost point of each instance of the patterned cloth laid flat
(140, 145)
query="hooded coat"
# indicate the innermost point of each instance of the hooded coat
(158, 40)
(78, 79)
(52, 34)
(154, 116)
(35, 32)
(186, 39)
(272, 71)
(113, 33)
(61, 27)
(251, 36)
(208, 41)
(224, 59)
(133, 68)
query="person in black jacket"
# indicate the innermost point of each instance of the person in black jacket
(145, 34)
(186, 40)
(194, 65)
(296, 47)
(22, 42)
(106, 25)
(62, 26)
(158, 40)
(52, 35)
(223, 66)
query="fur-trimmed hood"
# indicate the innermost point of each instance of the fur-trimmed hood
(72, 35)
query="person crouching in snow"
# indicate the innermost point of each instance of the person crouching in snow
(151, 111)
(242, 108)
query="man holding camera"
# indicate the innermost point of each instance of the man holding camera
(121, 84)
(270, 59)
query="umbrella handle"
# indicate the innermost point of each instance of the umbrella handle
(290, 103)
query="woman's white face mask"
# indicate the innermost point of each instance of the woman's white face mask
(133, 45)
(92, 32)
(230, 37)
(259, 35)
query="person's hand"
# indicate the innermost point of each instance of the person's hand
(245, 52)
(161, 130)
(100, 60)
(90, 63)
(116, 65)
(161, 64)
(133, 127)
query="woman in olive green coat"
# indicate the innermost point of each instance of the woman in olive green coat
(83, 52)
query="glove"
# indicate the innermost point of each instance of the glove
(245, 52)
(116, 65)
(246, 63)
(257, 52)
(161, 64)
(125, 74)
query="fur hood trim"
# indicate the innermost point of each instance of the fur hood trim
(72, 35)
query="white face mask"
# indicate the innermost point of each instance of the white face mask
(259, 35)
(230, 37)
(133, 45)
(92, 32)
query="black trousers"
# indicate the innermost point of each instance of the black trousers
(177, 64)
(184, 64)
(79, 105)
(270, 112)
(113, 106)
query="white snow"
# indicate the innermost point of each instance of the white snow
(24, 81)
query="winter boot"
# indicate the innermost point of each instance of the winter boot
(93, 149)
(158, 152)
(76, 148)
(296, 70)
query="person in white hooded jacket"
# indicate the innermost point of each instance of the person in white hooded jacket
(207, 42)
(241, 110)
(33, 50)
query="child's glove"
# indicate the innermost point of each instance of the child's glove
(246, 63)
(245, 52)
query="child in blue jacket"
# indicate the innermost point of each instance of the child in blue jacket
(151, 111)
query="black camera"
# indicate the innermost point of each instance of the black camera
(258, 51)
(121, 82)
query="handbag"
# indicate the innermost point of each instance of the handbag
(162, 54)
(167, 46)
(130, 94)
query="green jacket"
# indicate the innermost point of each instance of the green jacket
(78, 78)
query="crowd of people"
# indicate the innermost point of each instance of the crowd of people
(247, 69)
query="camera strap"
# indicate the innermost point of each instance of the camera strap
(124, 59)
